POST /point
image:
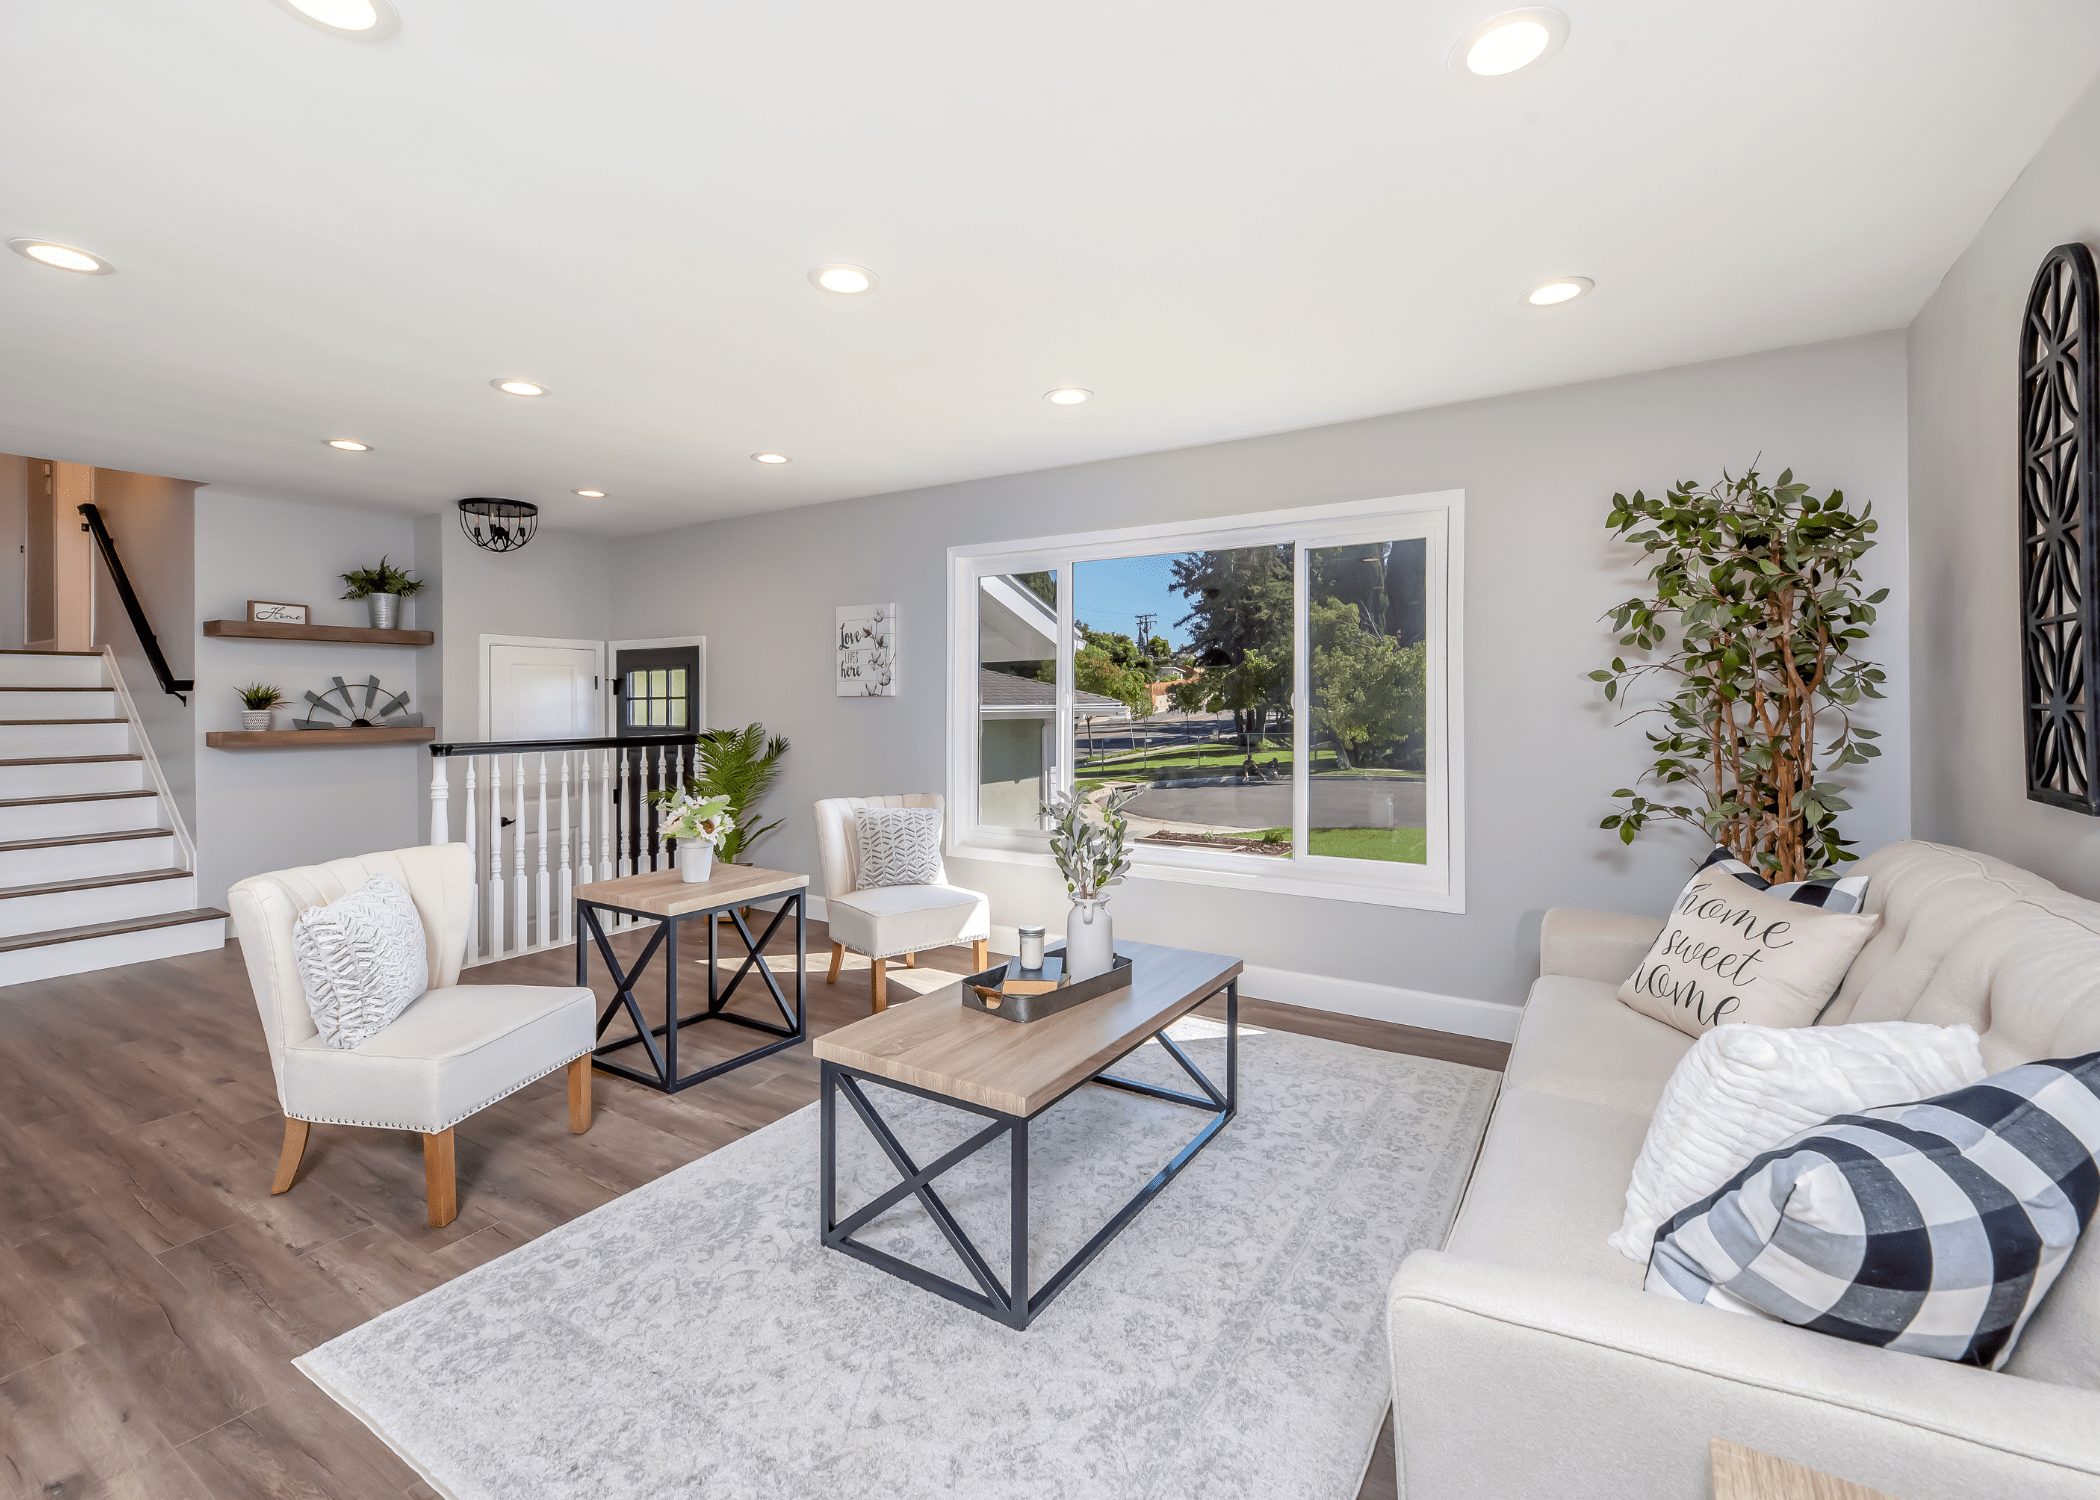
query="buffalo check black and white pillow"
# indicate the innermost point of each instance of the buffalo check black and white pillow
(1844, 893)
(1933, 1228)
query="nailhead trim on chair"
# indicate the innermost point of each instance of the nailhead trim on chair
(477, 1109)
(900, 952)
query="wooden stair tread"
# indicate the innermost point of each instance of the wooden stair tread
(110, 929)
(91, 883)
(4, 722)
(65, 760)
(12, 688)
(76, 797)
(66, 840)
(18, 651)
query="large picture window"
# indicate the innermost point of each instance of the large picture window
(1277, 693)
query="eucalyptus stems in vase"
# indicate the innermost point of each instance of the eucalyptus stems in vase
(1092, 857)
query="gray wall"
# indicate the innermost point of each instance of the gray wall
(14, 541)
(263, 810)
(1542, 753)
(559, 588)
(1970, 784)
(153, 523)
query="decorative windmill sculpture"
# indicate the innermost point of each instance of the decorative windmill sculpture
(370, 714)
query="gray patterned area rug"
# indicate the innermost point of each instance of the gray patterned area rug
(692, 1337)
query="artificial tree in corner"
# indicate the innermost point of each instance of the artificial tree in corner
(1756, 605)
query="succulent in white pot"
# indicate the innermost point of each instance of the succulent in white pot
(257, 699)
(697, 825)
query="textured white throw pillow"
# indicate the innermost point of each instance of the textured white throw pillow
(1742, 1090)
(362, 960)
(898, 845)
(1729, 953)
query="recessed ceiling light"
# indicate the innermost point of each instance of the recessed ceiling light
(1560, 289)
(1513, 42)
(769, 458)
(591, 494)
(1066, 395)
(350, 445)
(847, 281)
(519, 388)
(61, 257)
(362, 20)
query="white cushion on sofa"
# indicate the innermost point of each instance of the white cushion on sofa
(1578, 1041)
(1741, 1090)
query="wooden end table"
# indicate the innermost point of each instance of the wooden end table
(936, 1048)
(666, 898)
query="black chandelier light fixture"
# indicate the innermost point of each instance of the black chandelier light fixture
(498, 525)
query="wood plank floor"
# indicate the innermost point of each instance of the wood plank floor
(153, 1293)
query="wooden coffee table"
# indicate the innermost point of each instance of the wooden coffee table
(1009, 1073)
(666, 898)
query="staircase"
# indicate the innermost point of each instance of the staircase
(93, 872)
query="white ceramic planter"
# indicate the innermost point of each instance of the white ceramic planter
(255, 718)
(1090, 940)
(696, 861)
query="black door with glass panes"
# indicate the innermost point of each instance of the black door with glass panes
(656, 695)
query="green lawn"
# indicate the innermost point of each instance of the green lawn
(1402, 846)
(1225, 757)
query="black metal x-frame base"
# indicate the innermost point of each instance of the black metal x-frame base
(1011, 1303)
(666, 1076)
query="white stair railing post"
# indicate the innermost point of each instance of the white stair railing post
(606, 868)
(544, 884)
(520, 934)
(583, 842)
(440, 791)
(495, 857)
(474, 860)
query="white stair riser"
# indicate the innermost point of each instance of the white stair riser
(80, 861)
(51, 960)
(57, 705)
(52, 820)
(61, 779)
(63, 739)
(106, 903)
(51, 671)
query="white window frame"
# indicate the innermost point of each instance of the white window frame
(1438, 517)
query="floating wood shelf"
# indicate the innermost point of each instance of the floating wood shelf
(313, 739)
(256, 630)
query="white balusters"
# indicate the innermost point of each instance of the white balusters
(542, 885)
(440, 790)
(625, 770)
(495, 856)
(474, 858)
(656, 782)
(583, 843)
(519, 932)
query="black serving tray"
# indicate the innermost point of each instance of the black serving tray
(1033, 1005)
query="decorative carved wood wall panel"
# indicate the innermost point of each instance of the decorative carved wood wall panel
(2060, 532)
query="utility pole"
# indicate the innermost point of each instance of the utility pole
(1144, 623)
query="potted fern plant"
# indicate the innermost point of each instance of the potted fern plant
(382, 588)
(740, 765)
(1756, 607)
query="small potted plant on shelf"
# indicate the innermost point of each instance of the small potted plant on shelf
(382, 588)
(696, 825)
(256, 702)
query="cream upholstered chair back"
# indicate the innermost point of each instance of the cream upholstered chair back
(437, 877)
(838, 838)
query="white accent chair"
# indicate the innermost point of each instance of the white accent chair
(891, 921)
(454, 1051)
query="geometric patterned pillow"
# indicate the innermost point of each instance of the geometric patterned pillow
(899, 846)
(1933, 1228)
(361, 958)
(1832, 893)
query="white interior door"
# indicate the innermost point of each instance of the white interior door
(543, 692)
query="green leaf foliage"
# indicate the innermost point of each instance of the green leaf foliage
(1750, 622)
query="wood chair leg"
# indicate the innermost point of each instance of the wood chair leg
(580, 1095)
(838, 957)
(877, 985)
(911, 960)
(440, 1181)
(981, 955)
(295, 1132)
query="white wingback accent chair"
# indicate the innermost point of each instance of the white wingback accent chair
(454, 1051)
(891, 921)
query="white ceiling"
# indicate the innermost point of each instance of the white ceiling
(1224, 216)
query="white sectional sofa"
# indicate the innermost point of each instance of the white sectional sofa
(1528, 1362)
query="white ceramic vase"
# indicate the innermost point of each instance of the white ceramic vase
(1090, 940)
(696, 860)
(255, 718)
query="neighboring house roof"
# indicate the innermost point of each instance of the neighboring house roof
(1004, 690)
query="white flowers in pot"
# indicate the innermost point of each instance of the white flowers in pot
(1093, 856)
(698, 825)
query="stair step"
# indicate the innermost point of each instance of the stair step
(32, 776)
(65, 760)
(67, 840)
(55, 814)
(110, 929)
(52, 669)
(90, 883)
(61, 721)
(29, 956)
(74, 797)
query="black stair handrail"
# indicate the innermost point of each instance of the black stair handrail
(169, 682)
(613, 742)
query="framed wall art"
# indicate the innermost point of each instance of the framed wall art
(264, 612)
(867, 647)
